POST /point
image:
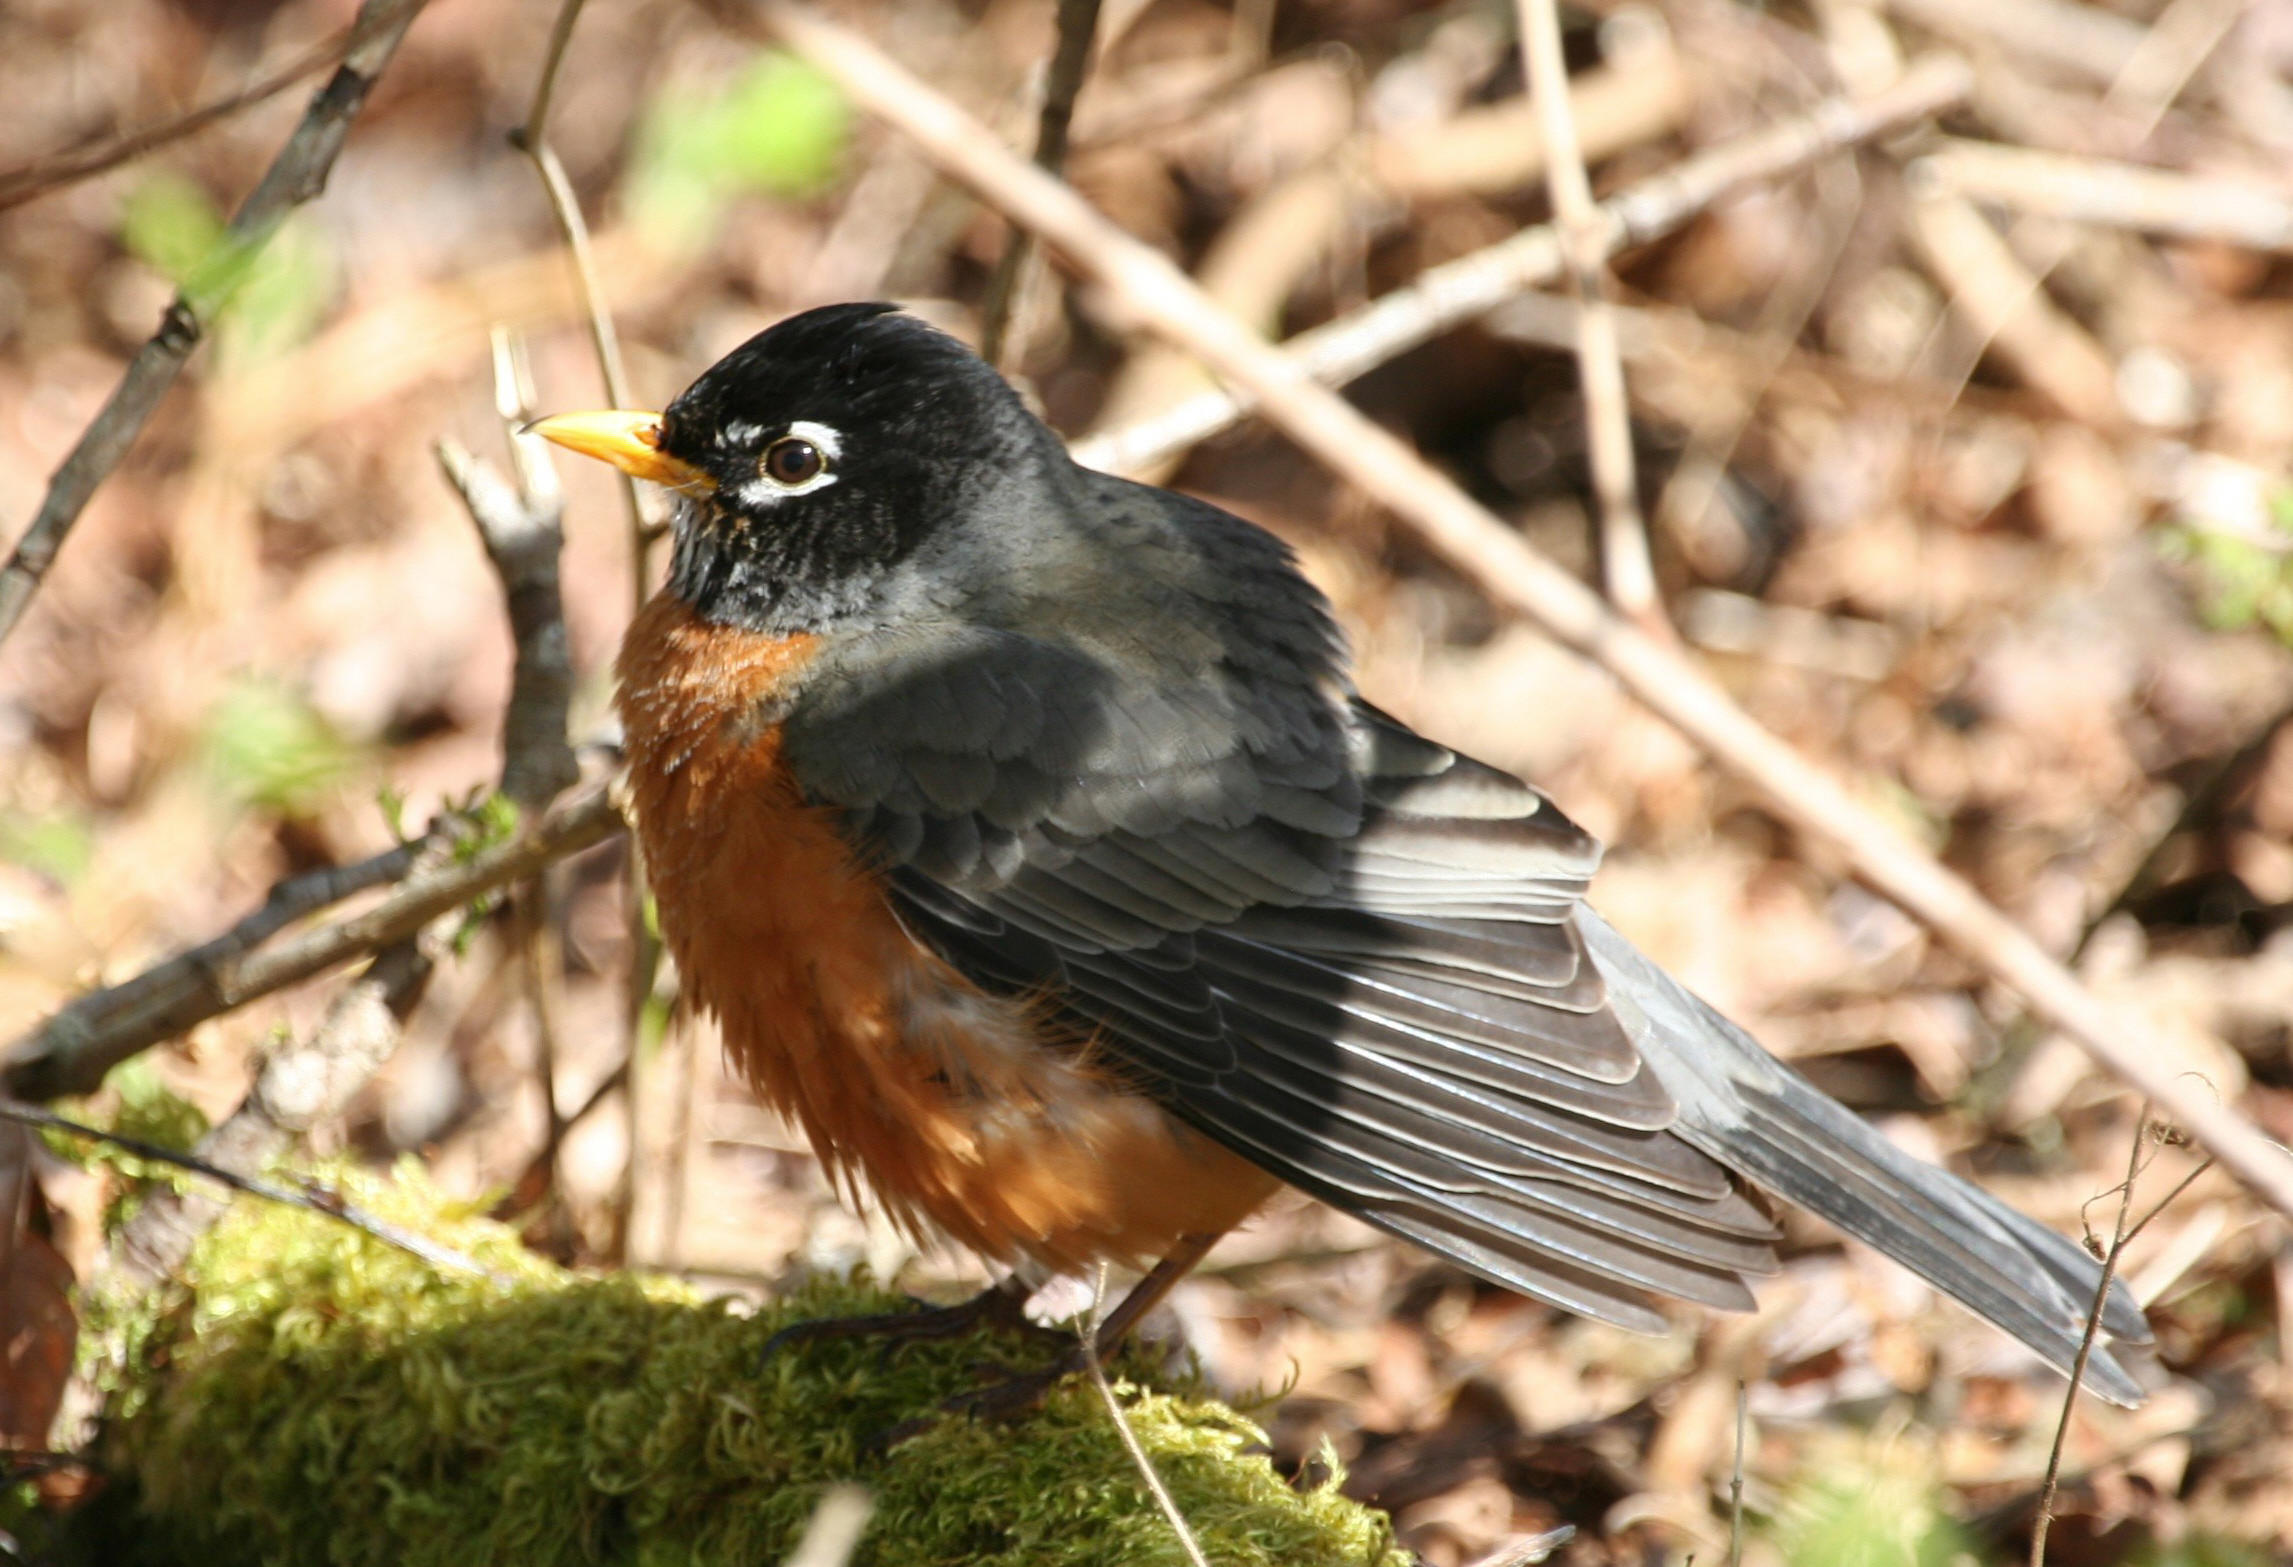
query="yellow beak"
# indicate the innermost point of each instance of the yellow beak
(629, 440)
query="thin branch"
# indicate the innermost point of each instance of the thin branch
(552, 62)
(2098, 190)
(300, 1085)
(1471, 286)
(56, 170)
(296, 176)
(1516, 575)
(1736, 1488)
(312, 1199)
(521, 529)
(1625, 569)
(532, 139)
(533, 1181)
(2118, 1238)
(1130, 1439)
(1078, 22)
(71, 1052)
(140, 1009)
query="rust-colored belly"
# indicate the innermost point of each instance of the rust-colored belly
(958, 1109)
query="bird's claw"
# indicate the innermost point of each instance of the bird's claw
(1015, 1394)
(1002, 1308)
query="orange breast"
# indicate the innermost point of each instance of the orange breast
(959, 1108)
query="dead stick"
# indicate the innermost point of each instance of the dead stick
(53, 172)
(297, 175)
(532, 139)
(2118, 1238)
(311, 1201)
(2097, 190)
(71, 1052)
(1472, 285)
(300, 1084)
(1078, 22)
(1515, 574)
(1625, 569)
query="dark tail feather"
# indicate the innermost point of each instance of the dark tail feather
(1752, 1113)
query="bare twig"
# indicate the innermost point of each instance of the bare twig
(299, 1086)
(521, 529)
(2121, 1236)
(1514, 574)
(71, 1052)
(296, 176)
(527, 1189)
(1626, 571)
(1278, 237)
(2007, 309)
(37, 178)
(524, 537)
(139, 1009)
(1078, 22)
(1472, 285)
(2085, 40)
(2097, 190)
(312, 1199)
(1130, 1439)
(1736, 1488)
(2086, 1340)
(531, 138)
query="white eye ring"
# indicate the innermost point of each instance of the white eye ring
(826, 442)
(830, 443)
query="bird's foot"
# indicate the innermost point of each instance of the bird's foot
(1001, 1307)
(1013, 1394)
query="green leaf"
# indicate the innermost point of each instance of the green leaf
(779, 129)
(59, 845)
(168, 224)
(265, 746)
(261, 296)
(1882, 1517)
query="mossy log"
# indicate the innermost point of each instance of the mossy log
(307, 1395)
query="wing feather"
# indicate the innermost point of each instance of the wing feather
(1358, 958)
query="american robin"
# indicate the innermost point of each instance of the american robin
(1024, 833)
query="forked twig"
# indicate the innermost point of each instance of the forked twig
(295, 176)
(1625, 569)
(2121, 1234)
(1457, 291)
(522, 527)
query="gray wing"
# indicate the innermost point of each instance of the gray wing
(1361, 960)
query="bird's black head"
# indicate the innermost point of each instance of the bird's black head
(816, 457)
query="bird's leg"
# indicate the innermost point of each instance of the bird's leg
(1002, 1306)
(1019, 1393)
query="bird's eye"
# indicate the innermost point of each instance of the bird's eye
(793, 460)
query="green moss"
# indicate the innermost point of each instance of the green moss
(315, 1397)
